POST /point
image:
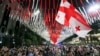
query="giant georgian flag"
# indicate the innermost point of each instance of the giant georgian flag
(69, 16)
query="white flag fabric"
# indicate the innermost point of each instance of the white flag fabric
(69, 16)
(80, 29)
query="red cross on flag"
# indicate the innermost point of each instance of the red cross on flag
(69, 16)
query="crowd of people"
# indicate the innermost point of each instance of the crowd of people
(51, 50)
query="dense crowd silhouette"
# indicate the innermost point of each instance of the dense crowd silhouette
(51, 50)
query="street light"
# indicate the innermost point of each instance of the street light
(99, 40)
(6, 33)
(14, 42)
(1, 42)
(13, 34)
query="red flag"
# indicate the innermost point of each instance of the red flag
(69, 16)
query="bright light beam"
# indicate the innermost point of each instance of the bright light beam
(94, 8)
(37, 12)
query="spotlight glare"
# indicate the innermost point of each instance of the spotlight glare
(36, 12)
(94, 8)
